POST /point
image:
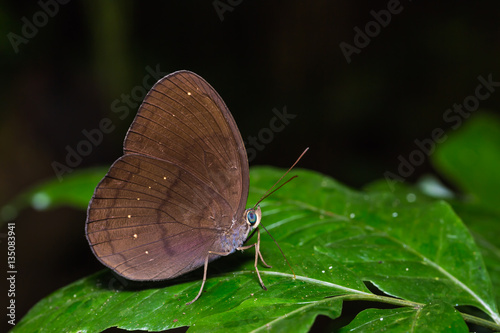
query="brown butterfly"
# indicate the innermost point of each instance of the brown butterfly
(176, 199)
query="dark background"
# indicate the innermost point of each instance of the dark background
(356, 117)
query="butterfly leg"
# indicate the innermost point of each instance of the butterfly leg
(257, 255)
(205, 273)
(260, 253)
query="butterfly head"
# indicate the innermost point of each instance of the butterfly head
(252, 216)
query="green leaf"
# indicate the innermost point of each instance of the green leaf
(75, 191)
(470, 157)
(342, 245)
(417, 251)
(483, 224)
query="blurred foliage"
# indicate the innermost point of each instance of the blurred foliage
(471, 159)
(74, 190)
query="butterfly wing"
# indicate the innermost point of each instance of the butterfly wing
(178, 190)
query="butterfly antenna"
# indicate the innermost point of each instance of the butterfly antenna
(275, 242)
(269, 192)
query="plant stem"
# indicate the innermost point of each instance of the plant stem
(401, 302)
(481, 322)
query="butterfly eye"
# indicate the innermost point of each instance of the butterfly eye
(251, 217)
